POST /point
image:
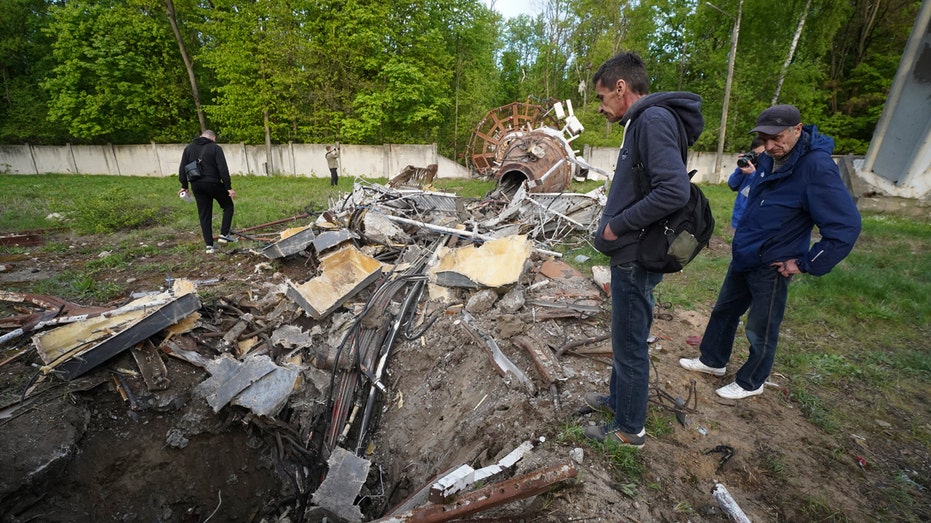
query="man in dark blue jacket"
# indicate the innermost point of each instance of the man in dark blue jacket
(797, 187)
(658, 128)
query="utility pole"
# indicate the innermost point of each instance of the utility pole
(727, 86)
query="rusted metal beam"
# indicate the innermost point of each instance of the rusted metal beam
(489, 497)
(547, 365)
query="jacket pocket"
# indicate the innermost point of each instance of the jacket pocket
(609, 247)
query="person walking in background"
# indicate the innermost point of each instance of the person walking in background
(213, 183)
(658, 128)
(741, 178)
(799, 187)
(332, 162)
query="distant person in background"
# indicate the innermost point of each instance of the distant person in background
(742, 176)
(213, 184)
(332, 162)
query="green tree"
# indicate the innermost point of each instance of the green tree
(259, 53)
(472, 41)
(412, 81)
(23, 51)
(116, 76)
(521, 40)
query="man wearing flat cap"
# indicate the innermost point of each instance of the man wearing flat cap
(797, 187)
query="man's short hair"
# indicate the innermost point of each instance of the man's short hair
(625, 66)
(209, 134)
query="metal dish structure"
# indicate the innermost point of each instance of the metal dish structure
(528, 143)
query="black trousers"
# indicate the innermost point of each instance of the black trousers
(204, 194)
(333, 176)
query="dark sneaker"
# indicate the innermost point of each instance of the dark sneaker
(595, 402)
(226, 239)
(598, 433)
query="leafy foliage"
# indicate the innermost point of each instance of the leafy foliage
(364, 71)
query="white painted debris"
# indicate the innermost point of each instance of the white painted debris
(465, 476)
(495, 264)
(728, 505)
(343, 274)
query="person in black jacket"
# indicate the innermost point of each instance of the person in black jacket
(213, 184)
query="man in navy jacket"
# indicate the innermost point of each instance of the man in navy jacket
(797, 186)
(658, 128)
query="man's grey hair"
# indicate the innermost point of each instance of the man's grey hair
(209, 134)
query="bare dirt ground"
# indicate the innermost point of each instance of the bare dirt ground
(77, 452)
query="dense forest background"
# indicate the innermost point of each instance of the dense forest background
(426, 71)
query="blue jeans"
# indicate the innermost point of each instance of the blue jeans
(631, 319)
(764, 292)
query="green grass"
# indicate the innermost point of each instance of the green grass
(100, 204)
(626, 466)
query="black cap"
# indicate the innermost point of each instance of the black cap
(777, 118)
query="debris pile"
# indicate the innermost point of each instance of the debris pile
(309, 361)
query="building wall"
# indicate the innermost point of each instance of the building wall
(163, 159)
(365, 161)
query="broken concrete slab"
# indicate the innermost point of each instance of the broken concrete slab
(481, 301)
(343, 274)
(381, 230)
(343, 482)
(495, 264)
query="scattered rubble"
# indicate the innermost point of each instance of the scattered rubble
(406, 369)
(396, 260)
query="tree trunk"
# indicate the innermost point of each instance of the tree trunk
(785, 66)
(188, 65)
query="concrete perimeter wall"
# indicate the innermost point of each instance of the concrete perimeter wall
(365, 161)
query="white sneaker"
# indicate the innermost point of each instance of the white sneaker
(736, 392)
(209, 249)
(695, 364)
